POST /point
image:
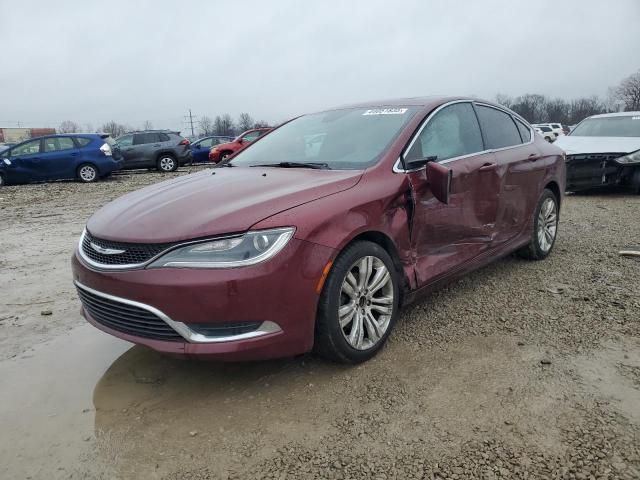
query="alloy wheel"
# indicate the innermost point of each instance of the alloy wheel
(366, 303)
(547, 224)
(88, 173)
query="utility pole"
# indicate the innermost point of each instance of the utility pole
(190, 118)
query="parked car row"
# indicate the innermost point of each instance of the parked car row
(550, 131)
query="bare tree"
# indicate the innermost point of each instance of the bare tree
(88, 127)
(582, 108)
(207, 126)
(628, 92)
(261, 124)
(504, 100)
(245, 122)
(223, 125)
(147, 125)
(115, 129)
(68, 127)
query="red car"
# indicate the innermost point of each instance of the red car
(224, 150)
(321, 231)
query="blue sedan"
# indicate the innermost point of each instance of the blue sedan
(200, 148)
(82, 156)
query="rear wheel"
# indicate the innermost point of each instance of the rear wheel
(359, 304)
(166, 163)
(545, 228)
(225, 155)
(87, 173)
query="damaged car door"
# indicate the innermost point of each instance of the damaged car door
(444, 236)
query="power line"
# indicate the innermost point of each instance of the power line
(189, 118)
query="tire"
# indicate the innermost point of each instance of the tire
(549, 139)
(343, 344)
(166, 163)
(2, 182)
(543, 237)
(87, 173)
(224, 155)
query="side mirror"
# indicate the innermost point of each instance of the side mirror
(439, 178)
(417, 163)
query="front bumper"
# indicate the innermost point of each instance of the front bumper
(280, 292)
(590, 170)
(214, 156)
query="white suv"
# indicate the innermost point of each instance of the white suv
(546, 131)
(555, 128)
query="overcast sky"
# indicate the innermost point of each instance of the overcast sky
(132, 61)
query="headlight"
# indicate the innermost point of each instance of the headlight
(633, 157)
(7, 161)
(248, 249)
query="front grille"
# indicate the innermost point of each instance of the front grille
(224, 329)
(595, 157)
(126, 318)
(134, 253)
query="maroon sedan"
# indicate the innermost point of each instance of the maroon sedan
(224, 150)
(317, 234)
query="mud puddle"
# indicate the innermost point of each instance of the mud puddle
(87, 405)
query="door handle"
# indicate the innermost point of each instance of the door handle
(74, 154)
(157, 145)
(488, 167)
(533, 157)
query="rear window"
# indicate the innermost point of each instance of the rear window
(163, 137)
(622, 126)
(525, 132)
(82, 141)
(498, 127)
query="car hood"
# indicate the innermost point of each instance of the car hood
(213, 202)
(576, 145)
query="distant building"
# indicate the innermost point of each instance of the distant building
(15, 135)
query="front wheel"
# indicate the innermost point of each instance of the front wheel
(87, 173)
(358, 305)
(545, 228)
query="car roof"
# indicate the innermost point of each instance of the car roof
(617, 114)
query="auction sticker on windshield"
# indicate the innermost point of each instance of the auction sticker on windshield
(386, 111)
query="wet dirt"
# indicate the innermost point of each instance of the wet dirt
(522, 370)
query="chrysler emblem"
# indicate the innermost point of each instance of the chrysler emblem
(106, 251)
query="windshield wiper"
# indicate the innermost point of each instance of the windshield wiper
(315, 165)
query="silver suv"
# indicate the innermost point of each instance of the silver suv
(161, 149)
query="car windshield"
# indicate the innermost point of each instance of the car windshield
(622, 126)
(348, 139)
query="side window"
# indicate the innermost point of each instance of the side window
(125, 141)
(525, 133)
(140, 139)
(161, 137)
(452, 132)
(54, 144)
(83, 142)
(498, 127)
(206, 143)
(28, 148)
(250, 137)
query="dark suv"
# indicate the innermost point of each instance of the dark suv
(161, 149)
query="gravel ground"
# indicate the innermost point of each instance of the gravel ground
(520, 370)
